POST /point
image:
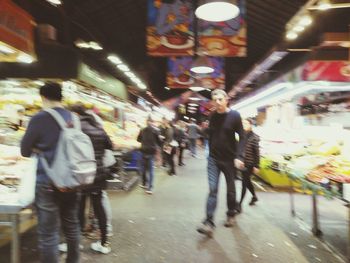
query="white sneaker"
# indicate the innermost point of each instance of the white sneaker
(143, 186)
(64, 248)
(149, 192)
(99, 248)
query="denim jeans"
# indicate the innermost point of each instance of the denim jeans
(55, 209)
(193, 146)
(215, 167)
(107, 207)
(206, 147)
(147, 164)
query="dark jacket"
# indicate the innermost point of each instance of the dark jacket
(180, 136)
(100, 142)
(251, 151)
(149, 139)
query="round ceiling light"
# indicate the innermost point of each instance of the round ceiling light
(217, 11)
(202, 70)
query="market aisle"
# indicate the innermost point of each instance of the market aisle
(161, 227)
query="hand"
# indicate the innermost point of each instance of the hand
(256, 171)
(239, 164)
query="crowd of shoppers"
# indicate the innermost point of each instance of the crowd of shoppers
(66, 207)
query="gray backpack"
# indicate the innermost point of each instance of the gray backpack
(74, 162)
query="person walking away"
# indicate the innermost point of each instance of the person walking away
(149, 139)
(251, 155)
(163, 134)
(193, 131)
(205, 135)
(223, 152)
(170, 147)
(54, 207)
(100, 142)
(181, 138)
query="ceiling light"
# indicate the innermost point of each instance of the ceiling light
(82, 44)
(187, 118)
(6, 49)
(95, 46)
(123, 67)
(305, 20)
(291, 35)
(167, 88)
(114, 59)
(39, 83)
(324, 5)
(142, 86)
(25, 58)
(55, 2)
(201, 65)
(196, 88)
(130, 74)
(216, 10)
(193, 104)
(195, 98)
(298, 28)
(136, 80)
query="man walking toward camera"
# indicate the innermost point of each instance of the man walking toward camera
(223, 157)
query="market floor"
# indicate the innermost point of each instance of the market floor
(162, 227)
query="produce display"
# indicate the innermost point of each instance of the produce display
(13, 167)
(308, 155)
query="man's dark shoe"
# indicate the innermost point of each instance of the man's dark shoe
(230, 221)
(206, 229)
(254, 200)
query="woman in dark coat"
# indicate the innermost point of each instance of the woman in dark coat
(100, 142)
(251, 157)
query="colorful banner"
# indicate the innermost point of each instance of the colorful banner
(169, 31)
(179, 75)
(338, 71)
(16, 27)
(226, 39)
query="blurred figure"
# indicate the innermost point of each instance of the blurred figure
(251, 157)
(193, 131)
(163, 134)
(149, 139)
(170, 147)
(224, 124)
(205, 135)
(181, 138)
(100, 142)
(54, 207)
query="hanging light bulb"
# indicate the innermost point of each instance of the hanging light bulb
(202, 65)
(217, 10)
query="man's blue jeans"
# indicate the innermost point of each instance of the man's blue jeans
(57, 209)
(215, 167)
(147, 164)
(193, 146)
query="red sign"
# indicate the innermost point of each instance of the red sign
(338, 71)
(16, 27)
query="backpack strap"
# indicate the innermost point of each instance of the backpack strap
(76, 121)
(58, 118)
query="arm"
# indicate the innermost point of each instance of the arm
(31, 137)
(256, 152)
(240, 132)
(139, 137)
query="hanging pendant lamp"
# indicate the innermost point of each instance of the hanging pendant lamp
(217, 10)
(197, 86)
(202, 65)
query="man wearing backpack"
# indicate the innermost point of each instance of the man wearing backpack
(54, 207)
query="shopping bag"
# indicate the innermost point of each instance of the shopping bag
(26, 190)
(108, 158)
